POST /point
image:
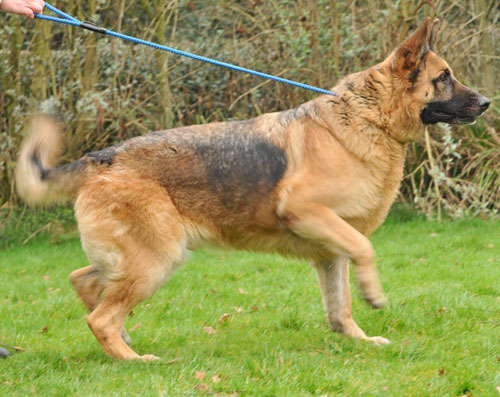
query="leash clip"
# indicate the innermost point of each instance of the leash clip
(93, 27)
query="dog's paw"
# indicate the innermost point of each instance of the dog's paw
(148, 357)
(378, 340)
(377, 303)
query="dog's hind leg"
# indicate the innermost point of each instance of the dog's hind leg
(121, 296)
(133, 234)
(333, 278)
(89, 285)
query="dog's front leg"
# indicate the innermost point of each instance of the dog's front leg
(319, 223)
(333, 278)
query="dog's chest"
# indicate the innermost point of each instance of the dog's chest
(372, 197)
(360, 192)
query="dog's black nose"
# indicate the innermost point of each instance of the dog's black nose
(483, 102)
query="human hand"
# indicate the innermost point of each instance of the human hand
(22, 7)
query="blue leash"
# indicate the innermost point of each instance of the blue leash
(69, 20)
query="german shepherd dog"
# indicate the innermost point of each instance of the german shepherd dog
(312, 182)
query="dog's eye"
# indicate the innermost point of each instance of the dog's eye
(444, 76)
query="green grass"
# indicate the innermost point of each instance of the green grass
(443, 319)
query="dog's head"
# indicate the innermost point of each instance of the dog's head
(436, 95)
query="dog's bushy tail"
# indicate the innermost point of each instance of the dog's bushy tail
(37, 181)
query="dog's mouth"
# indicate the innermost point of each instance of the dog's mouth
(444, 112)
(449, 118)
(465, 120)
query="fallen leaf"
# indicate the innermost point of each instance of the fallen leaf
(200, 375)
(498, 390)
(238, 309)
(201, 387)
(45, 329)
(20, 349)
(224, 318)
(491, 246)
(135, 326)
(255, 308)
(241, 291)
(175, 360)
(209, 330)
(46, 277)
(215, 379)
(434, 234)
(442, 371)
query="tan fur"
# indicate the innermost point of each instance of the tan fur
(45, 134)
(44, 141)
(313, 182)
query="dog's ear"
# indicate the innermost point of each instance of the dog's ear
(409, 55)
(432, 34)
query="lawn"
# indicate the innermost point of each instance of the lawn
(248, 324)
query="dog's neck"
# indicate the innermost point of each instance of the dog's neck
(357, 119)
(374, 98)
